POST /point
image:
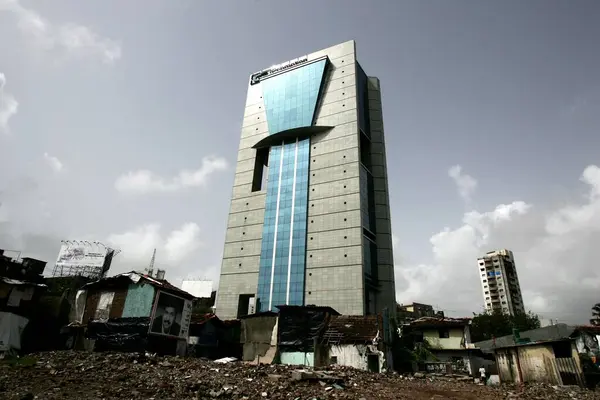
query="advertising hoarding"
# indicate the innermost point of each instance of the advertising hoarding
(171, 316)
(74, 253)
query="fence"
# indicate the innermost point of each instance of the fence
(457, 366)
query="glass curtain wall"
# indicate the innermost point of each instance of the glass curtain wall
(290, 101)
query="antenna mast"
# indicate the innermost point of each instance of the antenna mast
(151, 266)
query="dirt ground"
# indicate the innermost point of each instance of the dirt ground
(80, 375)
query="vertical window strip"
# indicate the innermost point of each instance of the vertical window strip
(289, 271)
(276, 226)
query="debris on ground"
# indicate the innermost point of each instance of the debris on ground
(94, 376)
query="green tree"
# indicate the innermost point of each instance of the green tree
(486, 326)
(595, 315)
(525, 321)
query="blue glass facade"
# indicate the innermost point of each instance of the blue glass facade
(367, 204)
(291, 98)
(290, 102)
(362, 94)
(282, 259)
(367, 200)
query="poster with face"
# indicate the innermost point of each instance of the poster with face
(167, 316)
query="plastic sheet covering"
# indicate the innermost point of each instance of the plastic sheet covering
(80, 299)
(11, 328)
(299, 327)
(104, 305)
(120, 333)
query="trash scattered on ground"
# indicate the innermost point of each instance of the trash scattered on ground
(226, 360)
(94, 376)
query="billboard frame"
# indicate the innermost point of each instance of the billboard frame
(93, 270)
(184, 321)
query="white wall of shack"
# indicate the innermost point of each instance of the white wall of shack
(355, 356)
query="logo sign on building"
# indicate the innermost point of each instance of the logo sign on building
(171, 316)
(75, 253)
(265, 73)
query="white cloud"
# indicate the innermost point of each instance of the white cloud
(8, 105)
(4, 216)
(182, 242)
(554, 252)
(466, 184)
(72, 38)
(145, 181)
(138, 244)
(55, 164)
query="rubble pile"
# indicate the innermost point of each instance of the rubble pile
(82, 375)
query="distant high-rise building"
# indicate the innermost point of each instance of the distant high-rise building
(500, 282)
(309, 222)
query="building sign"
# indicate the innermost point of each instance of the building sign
(171, 316)
(265, 73)
(186, 317)
(74, 253)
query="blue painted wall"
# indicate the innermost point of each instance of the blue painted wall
(297, 358)
(139, 300)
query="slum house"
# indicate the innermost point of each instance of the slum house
(212, 338)
(355, 341)
(410, 312)
(21, 285)
(135, 312)
(258, 337)
(299, 331)
(587, 338)
(586, 341)
(56, 308)
(555, 362)
(449, 342)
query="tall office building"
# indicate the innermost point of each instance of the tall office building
(309, 222)
(500, 282)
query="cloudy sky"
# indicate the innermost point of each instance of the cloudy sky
(119, 122)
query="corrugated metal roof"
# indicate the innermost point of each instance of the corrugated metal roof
(592, 329)
(440, 322)
(135, 277)
(352, 329)
(309, 307)
(260, 314)
(21, 283)
(547, 333)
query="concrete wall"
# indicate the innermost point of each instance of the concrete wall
(334, 274)
(455, 341)
(356, 356)
(259, 338)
